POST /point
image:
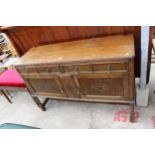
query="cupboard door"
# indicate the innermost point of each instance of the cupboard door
(45, 86)
(69, 86)
(103, 85)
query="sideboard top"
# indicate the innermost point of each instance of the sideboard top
(103, 48)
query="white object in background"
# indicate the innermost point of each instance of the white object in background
(9, 62)
(142, 88)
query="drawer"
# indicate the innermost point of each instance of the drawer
(78, 68)
(110, 67)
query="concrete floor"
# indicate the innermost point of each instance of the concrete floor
(65, 114)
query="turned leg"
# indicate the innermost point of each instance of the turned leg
(39, 104)
(6, 96)
(8, 93)
(131, 112)
(37, 101)
(45, 102)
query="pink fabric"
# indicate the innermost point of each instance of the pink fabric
(11, 78)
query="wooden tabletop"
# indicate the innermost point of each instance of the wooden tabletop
(111, 47)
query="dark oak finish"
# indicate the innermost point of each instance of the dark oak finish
(97, 70)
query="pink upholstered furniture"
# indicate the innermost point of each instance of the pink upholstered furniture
(11, 79)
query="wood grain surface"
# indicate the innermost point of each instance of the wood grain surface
(103, 48)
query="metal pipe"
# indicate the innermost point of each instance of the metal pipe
(144, 55)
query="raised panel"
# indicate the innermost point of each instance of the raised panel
(103, 85)
(69, 86)
(45, 86)
(38, 71)
(78, 68)
(27, 71)
(46, 70)
(100, 67)
(120, 66)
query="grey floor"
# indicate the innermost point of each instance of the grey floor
(65, 114)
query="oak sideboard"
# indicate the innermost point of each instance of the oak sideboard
(92, 70)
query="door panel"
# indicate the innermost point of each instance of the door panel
(69, 86)
(45, 86)
(99, 85)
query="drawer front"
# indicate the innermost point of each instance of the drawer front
(45, 86)
(103, 86)
(111, 67)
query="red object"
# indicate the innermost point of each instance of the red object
(136, 116)
(11, 78)
(120, 116)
